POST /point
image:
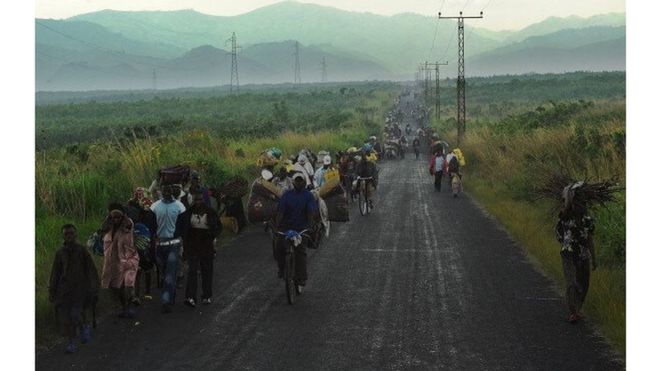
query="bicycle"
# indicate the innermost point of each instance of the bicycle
(293, 239)
(364, 202)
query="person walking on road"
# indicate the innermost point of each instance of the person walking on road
(437, 168)
(574, 231)
(168, 247)
(416, 146)
(73, 288)
(452, 167)
(120, 258)
(297, 211)
(202, 228)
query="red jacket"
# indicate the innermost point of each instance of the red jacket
(432, 165)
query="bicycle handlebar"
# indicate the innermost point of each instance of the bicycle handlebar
(286, 234)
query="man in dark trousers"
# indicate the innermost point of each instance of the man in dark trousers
(202, 227)
(437, 168)
(296, 211)
(73, 288)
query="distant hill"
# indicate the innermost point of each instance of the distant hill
(396, 42)
(601, 56)
(554, 24)
(86, 36)
(189, 49)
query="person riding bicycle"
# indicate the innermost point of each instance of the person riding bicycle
(368, 169)
(297, 211)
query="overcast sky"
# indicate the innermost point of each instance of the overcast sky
(498, 14)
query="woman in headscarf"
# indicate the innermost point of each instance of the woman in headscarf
(575, 230)
(144, 223)
(120, 258)
(303, 166)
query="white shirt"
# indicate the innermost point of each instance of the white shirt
(199, 221)
(439, 164)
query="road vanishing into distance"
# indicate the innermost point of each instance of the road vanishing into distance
(425, 282)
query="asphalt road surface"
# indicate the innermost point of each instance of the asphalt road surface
(424, 282)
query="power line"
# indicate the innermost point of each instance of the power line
(115, 52)
(435, 35)
(487, 4)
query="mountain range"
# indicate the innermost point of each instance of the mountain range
(167, 49)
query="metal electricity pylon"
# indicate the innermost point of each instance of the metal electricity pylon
(429, 67)
(460, 81)
(324, 70)
(233, 82)
(296, 67)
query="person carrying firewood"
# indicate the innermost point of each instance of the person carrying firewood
(575, 233)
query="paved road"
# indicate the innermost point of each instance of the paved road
(425, 282)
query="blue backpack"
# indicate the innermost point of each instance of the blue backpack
(95, 243)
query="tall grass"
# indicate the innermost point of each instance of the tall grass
(590, 144)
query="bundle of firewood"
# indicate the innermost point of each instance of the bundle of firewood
(591, 193)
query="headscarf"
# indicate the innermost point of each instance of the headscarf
(143, 201)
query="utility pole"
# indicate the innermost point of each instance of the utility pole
(460, 81)
(233, 82)
(324, 71)
(153, 80)
(428, 68)
(296, 67)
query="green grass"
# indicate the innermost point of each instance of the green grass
(530, 225)
(507, 159)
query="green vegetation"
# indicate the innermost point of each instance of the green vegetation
(75, 182)
(510, 153)
(245, 115)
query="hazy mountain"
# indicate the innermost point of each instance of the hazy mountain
(397, 42)
(554, 24)
(187, 48)
(601, 56)
(86, 36)
(564, 39)
(199, 67)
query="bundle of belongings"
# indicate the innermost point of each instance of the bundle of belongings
(269, 157)
(336, 201)
(263, 200)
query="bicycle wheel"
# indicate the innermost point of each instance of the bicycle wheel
(289, 274)
(362, 200)
(367, 201)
